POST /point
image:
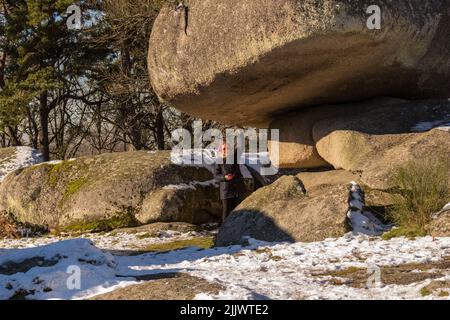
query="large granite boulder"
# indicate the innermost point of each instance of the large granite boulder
(244, 62)
(374, 142)
(307, 207)
(297, 146)
(440, 224)
(110, 191)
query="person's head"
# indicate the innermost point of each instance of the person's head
(223, 150)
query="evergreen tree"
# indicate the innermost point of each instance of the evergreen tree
(45, 61)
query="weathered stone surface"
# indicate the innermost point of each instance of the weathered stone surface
(374, 142)
(440, 226)
(285, 211)
(110, 191)
(311, 206)
(243, 62)
(313, 180)
(297, 147)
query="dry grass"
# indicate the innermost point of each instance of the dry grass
(404, 274)
(8, 229)
(199, 242)
(422, 189)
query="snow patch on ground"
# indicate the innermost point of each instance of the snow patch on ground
(24, 157)
(96, 269)
(258, 271)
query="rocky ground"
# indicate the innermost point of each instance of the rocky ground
(179, 260)
(139, 264)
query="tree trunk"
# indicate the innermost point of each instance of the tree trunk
(2, 69)
(160, 129)
(13, 136)
(33, 129)
(3, 139)
(44, 144)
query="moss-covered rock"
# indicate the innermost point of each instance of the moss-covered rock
(110, 191)
(286, 211)
(308, 207)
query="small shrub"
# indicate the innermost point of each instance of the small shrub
(444, 294)
(11, 228)
(422, 188)
(425, 292)
(408, 232)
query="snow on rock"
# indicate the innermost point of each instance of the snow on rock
(258, 271)
(23, 157)
(361, 220)
(446, 208)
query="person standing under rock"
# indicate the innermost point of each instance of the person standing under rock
(232, 186)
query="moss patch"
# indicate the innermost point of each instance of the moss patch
(73, 187)
(405, 274)
(408, 232)
(347, 272)
(146, 235)
(200, 242)
(59, 171)
(104, 225)
(443, 294)
(437, 288)
(55, 173)
(425, 292)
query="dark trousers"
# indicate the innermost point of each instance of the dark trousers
(228, 205)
